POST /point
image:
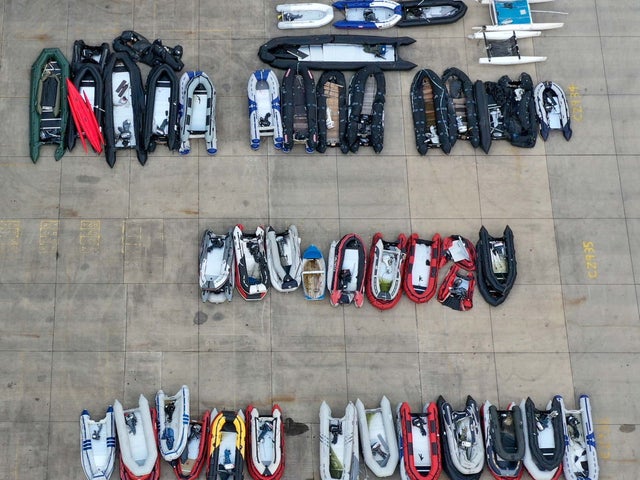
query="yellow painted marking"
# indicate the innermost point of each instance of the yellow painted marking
(133, 236)
(603, 439)
(48, 242)
(90, 236)
(575, 102)
(589, 252)
(10, 232)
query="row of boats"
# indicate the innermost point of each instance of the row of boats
(103, 93)
(371, 14)
(332, 113)
(100, 99)
(217, 443)
(545, 442)
(252, 262)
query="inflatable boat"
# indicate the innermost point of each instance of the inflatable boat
(434, 122)
(217, 269)
(510, 111)
(299, 109)
(86, 71)
(339, 457)
(456, 289)
(366, 109)
(552, 109)
(419, 441)
(460, 90)
(496, 265)
(368, 14)
(314, 273)
(420, 280)
(580, 461)
(48, 108)
(303, 15)
(331, 93)
(346, 270)
(504, 439)
(173, 422)
(385, 269)
(137, 439)
(124, 107)
(284, 259)
(227, 446)
(265, 115)
(378, 440)
(459, 250)
(161, 114)
(544, 439)
(98, 445)
(462, 443)
(197, 111)
(336, 52)
(417, 13)
(265, 444)
(252, 271)
(195, 455)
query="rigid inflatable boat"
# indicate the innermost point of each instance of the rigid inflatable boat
(385, 269)
(136, 429)
(299, 109)
(331, 93)
(265, 115)
(98, 445)
(314, 273)
(544, 439)
(173, 422)
(419, 441)
(504, 440)
(460, 90)
(48, 107)
(462, 444)
(421, 270)
(252, 271)
(366, 109)
(284, 258)
(216, 267)
(378, 439)
(552, 109)
(197, 111)
(339, 458)
(496, 265)
(227, 446)
(265, 444)
(195, 455)
(346, 270)
(303, 15)
(336, 52)
(417, 13)
(369, 14)
(124, 107)
(434, 121)
(580, 459)
(161, 114)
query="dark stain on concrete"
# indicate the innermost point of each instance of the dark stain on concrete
(200, 318)
(218, 317)
(88, 179)
(294, 428)
(627, 428)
